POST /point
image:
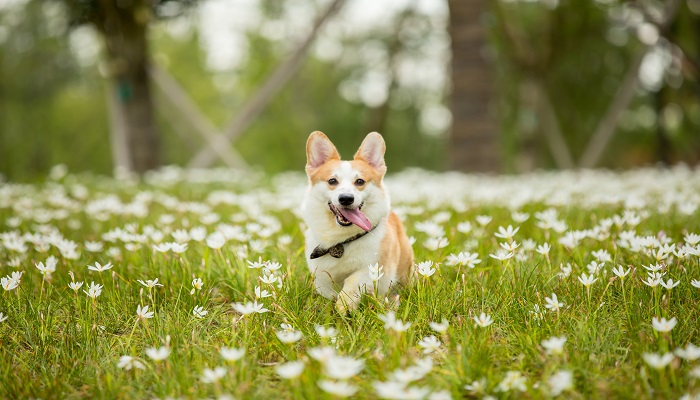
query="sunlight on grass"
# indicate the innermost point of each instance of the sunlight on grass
(194, 284)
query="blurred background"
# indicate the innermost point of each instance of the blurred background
(474, 85)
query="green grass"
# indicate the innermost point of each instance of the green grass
(57, 343)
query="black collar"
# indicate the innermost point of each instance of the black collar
(337, 250)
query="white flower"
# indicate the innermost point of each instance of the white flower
(325, 332)
(337, 388)
(425, 268)
(213, 375)
(560, 382)
(502, 255)
(440, 327)
(249, 308)
(663, 325)
(322, 354)
(216, 240)
(261, 293)
(509, 246)
(256, 264)
(690, 353)
(198, 233)
(653, 267)
(199, 312)
(413, 373)
(99, 268)
(652, 281)
(543, 249)
(290, 370)
(342, 367)
(375, 272)
(399, 390)
(483, 320)
(553, 303)
(181, 236)
(586, 280)
(3, 317)
(430, 228)
(536, 313)
(529, 244)
(506, 233)
(143, 313)
(514, 380)
(520, 217)
(695, 283)
(289, 336)
(162, 247)
(389, 389)
(669, 284)
(483, 220)
(464, 258)
(94, 247)
(554, 345)
(565, 270)
(284, 240)
(390, 322)
(692, 238)
(464, 227)
(429, 344)
(602, 256)
(269, 279)
(271, 266)
(232, 353)
(129, 362)
(50, 266)
(476, 387)
(657, 361)
(196, 285)
(435, 243)
(178, 247)
(159, 354)
(94, 290)
(149, 283)
(75, 285)
(695, 373)
(594, 267)
(620, 272)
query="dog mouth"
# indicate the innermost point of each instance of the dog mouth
(350, 216)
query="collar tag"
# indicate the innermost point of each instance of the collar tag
(338, 249)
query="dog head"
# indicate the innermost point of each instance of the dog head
(353, 190)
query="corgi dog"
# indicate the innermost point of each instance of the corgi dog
(350, 225)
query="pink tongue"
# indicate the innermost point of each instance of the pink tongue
(356, 217)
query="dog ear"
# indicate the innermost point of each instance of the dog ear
(319, 149)
(372, 150)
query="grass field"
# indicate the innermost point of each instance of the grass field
(571, 284)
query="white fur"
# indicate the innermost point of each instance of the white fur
(347, 277)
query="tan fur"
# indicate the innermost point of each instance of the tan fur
(396, 250)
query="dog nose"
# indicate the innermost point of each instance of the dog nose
(346, 199)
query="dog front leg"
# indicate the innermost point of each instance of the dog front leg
(354, 286)
(325, 286)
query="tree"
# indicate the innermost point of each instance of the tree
(474, 139)
(124, 28)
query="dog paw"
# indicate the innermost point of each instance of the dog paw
(341, 306)
(344, 304)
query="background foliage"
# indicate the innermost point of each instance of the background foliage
(53, 106)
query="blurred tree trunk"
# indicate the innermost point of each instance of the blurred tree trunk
(124, 27)
(474, 139)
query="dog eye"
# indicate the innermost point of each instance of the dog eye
(360, 182)
(332, 181)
